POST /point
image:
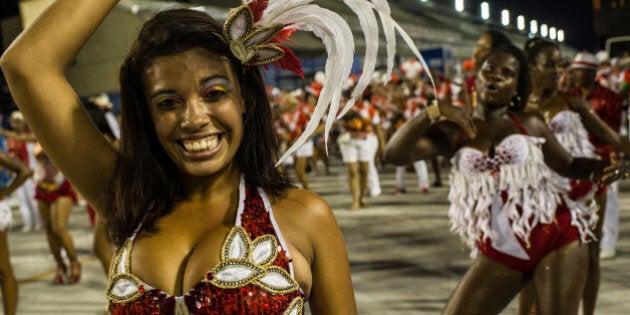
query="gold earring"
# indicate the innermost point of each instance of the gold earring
(516, 100)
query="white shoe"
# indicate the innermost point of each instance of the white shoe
(375, 192)
(607, 253)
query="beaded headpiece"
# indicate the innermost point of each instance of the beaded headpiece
(255, 46)
(255, 29)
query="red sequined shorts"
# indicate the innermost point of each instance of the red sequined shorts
(49, 192)
(544, 239)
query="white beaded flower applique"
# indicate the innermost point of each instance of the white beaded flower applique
(244, 262)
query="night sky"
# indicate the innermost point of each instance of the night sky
(575, 17)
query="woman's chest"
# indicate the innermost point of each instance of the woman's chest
(510, 150)
(176, 260)
(222, 257)
(252, 276)
(491, 135)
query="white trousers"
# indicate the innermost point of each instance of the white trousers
(373, 180)
(421, 172)
(610, 230)
(28, 205)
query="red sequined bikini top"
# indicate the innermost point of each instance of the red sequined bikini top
(254, 274)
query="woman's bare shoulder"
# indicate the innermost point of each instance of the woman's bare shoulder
(306, 220)
(301, 202)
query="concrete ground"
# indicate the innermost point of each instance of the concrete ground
(403, 258)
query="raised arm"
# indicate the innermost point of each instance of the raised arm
(34, 67)
(599, 128)
(419, 139)
(15, 135)
(22, 172)
(559, 160)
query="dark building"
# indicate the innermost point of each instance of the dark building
(611, 22)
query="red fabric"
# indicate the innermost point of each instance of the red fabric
(257, 8)
(294, 123)
(608, 107)
(468, 65)
(17, 149)
(544, 239)
(580, 188)
(44, 192)
(91, 213)
(470, 84)
(519, 125)
(290, 62)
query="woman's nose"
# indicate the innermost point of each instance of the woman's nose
(195, 116)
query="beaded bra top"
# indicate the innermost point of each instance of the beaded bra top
(514, 185)
(254, 274)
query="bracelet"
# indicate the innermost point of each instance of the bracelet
(433, 110)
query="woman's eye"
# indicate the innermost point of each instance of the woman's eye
(214, 93)
(508, 73)
(166, 103)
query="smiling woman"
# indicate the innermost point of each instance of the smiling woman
(204, 221)
(190, 188)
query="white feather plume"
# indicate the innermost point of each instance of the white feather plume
(388, 31)
(365, 12)
(337, 38)
(389, 24)
(339, 42)
(415, 51)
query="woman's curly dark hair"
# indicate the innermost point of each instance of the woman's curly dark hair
(534, 45)
(145, 178)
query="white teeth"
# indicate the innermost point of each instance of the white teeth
(201, 144)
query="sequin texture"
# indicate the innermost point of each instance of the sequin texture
(207, 298)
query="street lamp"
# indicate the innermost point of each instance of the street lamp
(543, 30)
(520, 22)
(533, 27)
(560, 35)
(485, 10)
(552, 33)
(459, 5)
(505, 17)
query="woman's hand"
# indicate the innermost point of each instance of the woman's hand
(459, 116)
(619, 169)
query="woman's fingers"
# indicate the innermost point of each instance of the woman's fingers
(460, 117)
(469, 127)
(619, 170)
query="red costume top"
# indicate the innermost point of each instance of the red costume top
(607, 105)
(294, 123)
(17, 149)
(254, 275)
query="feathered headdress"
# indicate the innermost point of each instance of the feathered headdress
(255, 30)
